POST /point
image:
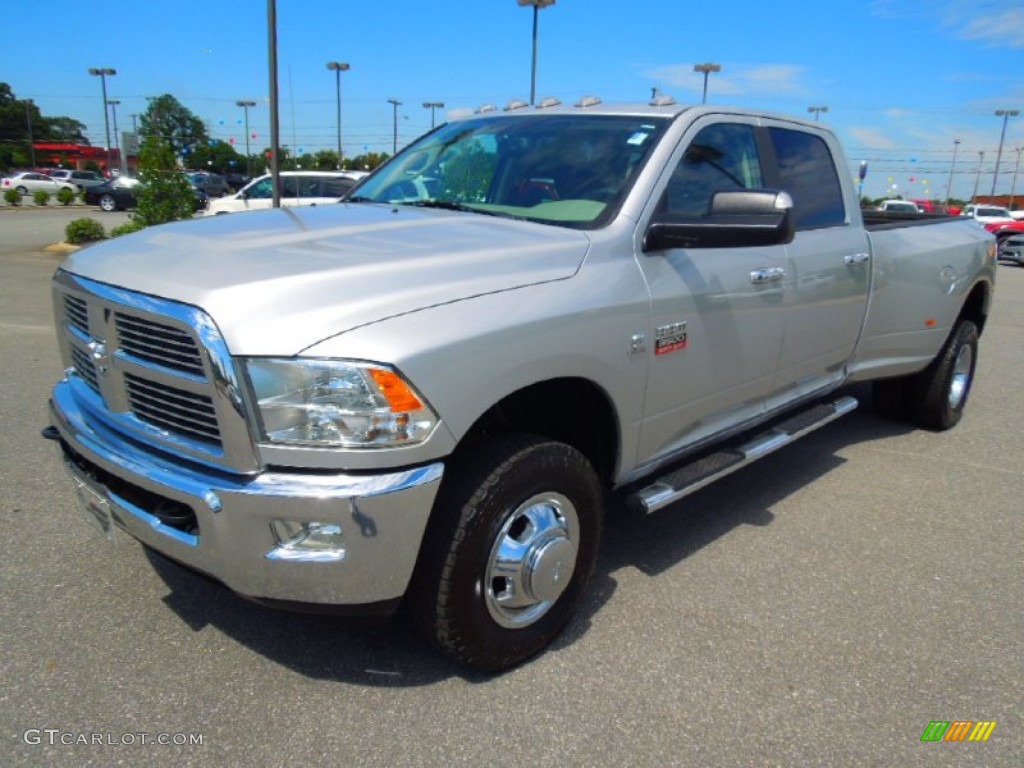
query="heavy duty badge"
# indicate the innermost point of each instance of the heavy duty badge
(670, 338)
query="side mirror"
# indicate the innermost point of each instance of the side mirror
(736, 218)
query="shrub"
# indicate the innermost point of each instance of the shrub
(41, 197)
(65, 196)
(83, 231)
(165, 193)
(12, 196)
(132, 225)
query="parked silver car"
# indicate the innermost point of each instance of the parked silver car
(28, 182)
(1012, 249)
(81, 179)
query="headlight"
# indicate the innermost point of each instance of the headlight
(334, 403)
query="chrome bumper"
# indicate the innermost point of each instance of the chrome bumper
(230, 533)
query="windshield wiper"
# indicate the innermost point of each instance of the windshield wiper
(448, 205)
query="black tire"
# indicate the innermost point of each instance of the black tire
(939, 392)
(513, 519)
(107, 203)
(22, 190)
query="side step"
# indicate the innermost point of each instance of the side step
(691, 478)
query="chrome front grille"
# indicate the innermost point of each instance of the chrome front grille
(158, 343)
(76, 312)
(155, 370)
(175, 410)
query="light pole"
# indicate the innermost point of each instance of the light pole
(432, 105)
(275, 125)
(952, 169)
(1013, 184)
(120, 155)
(1006, 114)
(537, 5)
(707, 68)
(338, 67)
(394, 145)
(31, 141)
(816, 111)
(102, 73)
(977, 179)
(245, 104)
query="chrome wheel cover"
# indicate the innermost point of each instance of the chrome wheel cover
(960, 380)
(532, 560)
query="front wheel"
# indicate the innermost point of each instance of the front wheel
(107, 203)
(509, 553)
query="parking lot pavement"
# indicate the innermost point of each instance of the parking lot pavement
(822, 607)
(31, 227)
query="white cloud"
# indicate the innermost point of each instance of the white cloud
(987, 21)
(871, 137)
(734, 79)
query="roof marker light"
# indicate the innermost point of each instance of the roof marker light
(588, 101)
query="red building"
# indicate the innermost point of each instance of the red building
(78, 156)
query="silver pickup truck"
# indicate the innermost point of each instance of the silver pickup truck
(429, 392)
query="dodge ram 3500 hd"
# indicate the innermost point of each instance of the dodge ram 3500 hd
(427, 392)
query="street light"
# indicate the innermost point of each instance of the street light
(432, 105)
(394, 145)
(537, 5)
(816, 111)
(338, 67)
(1013, 184)
(120, 155)
(245, 104)
(952, 169)
(977, 179)
(707, 69)
(102, 73)
(31, 141)
(1006, 114)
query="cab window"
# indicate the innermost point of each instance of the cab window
(808, 174)
(721, 157)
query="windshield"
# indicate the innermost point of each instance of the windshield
(571, 170)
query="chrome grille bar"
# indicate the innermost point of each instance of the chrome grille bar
(158, 343)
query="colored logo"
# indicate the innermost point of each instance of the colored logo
(958, 730)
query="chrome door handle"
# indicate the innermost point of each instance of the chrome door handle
(856, 259)
(765, 276)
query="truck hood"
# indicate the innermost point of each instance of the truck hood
(275, 282)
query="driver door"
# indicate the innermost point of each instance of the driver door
(717, 313)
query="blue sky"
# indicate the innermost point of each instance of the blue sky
(901, 80)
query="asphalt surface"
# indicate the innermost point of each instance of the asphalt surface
(819, 608)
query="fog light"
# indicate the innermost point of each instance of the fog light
(307, 542)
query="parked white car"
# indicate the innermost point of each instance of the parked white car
(27, 182)
(297, 188)
(987, 214)
(899, 206)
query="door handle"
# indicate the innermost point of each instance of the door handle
(765, 276)
(856, 259)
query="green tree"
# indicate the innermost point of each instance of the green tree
(168, 119)
(216, 156)
(15, 117)
(164, 194)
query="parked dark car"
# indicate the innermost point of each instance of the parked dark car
(119, 194)
(236, 180)
(213, 184)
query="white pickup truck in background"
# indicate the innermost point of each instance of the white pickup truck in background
(428, 393)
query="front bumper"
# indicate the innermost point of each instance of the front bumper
(222, 524)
